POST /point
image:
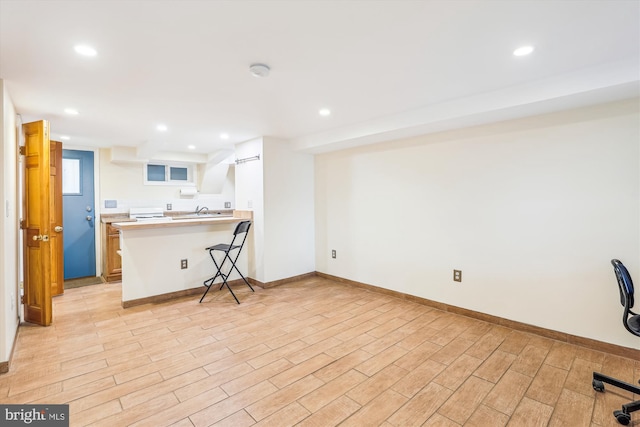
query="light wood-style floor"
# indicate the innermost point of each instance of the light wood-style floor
(310, 353)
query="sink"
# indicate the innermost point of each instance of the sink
(201, 216)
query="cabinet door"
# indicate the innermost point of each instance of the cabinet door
(114, 262)
(111, 261)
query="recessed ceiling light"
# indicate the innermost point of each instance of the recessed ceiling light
(85, 50)
(64, 138)
(162, 128)
(71, 111)
(523, 50)
(224, 136)
(324, 112)
(191, 147)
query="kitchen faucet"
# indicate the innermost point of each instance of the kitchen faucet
(200, 209)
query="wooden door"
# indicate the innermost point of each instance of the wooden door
(37, 205)
(55, 225)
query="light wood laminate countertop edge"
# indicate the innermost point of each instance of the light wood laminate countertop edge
(145, 225)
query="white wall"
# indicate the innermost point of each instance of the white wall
(532, 211)
(289, 212)
(124, 182)
(8, 225)
(217, 179)
(278, 188)
(249, 196)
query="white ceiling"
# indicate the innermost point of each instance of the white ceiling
(386, 69)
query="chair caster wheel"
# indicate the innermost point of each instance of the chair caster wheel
(622, 418)
(597, 385)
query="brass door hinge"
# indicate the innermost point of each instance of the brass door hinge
(22, 299)
(23, 224)
(23, 150)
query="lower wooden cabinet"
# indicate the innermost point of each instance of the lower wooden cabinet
(111, 260)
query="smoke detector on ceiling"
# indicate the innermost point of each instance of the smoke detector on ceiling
(259, 70)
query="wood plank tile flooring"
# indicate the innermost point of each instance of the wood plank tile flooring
(308, 353)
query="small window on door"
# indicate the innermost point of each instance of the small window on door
(169, 174)
(71, 182)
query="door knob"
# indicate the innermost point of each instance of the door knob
(58, 228)
(89, 217)
(37, 237)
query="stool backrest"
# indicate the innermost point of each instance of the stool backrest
(624, 283)
(242, 227)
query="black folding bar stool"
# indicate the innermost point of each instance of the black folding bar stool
(241, 228)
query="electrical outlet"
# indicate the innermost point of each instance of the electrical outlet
(333, 253)
(169, 206)
(227, 205)
(183, 264)
(249, 204)
(457, 275)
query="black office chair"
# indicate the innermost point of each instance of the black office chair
(631, 323)
(241, 228)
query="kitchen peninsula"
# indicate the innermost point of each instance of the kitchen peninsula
(153, 254)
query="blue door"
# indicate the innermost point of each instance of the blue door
(78, 214)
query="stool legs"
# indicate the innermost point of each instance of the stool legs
(209, 282)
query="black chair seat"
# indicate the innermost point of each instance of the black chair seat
(222, 247)
(241, 229)
(634, 324)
